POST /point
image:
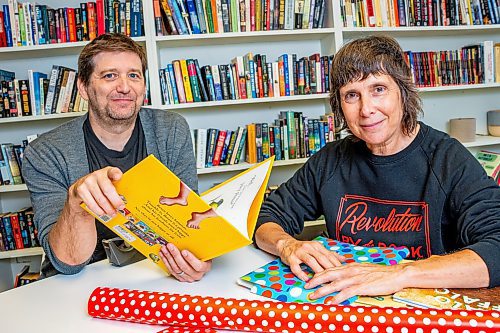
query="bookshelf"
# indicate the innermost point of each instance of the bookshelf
(440, 103)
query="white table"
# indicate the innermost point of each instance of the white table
(59, 303)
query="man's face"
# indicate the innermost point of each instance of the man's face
(373, 111)
(116, 88)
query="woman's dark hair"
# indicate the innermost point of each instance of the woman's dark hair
(375, 55)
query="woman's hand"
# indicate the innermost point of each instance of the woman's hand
(356, 279)
(294, 252)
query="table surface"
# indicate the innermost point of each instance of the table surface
(59, 303)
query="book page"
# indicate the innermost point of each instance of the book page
(233, 199)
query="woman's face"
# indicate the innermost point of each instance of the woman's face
(373, 111)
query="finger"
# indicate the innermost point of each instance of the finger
(340, 285)
(179, 275)
(196, 264)
(297, 270)
(90, 194)
(183, 266)
(311, 261)
(345, 294)
(165, 261)
(324, 291)
(327, 276)
(114, 174)
(104, 179)
(170, 260)
(330, 259)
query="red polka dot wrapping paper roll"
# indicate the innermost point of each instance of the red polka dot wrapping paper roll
(189, 313)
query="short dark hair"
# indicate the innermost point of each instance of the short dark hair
(375, 55)
(109, 42)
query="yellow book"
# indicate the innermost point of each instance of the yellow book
(378, 13)
(251, 149)
(186, 81)
(160, 209)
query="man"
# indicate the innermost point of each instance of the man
(393, 181)
(79, 161)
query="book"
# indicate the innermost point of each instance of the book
(276, 280)
(442, 298)
(161, 209)
(490, 161)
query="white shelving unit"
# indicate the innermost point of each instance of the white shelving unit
(440, 104)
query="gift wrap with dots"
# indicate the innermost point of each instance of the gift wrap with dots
(202, 314)
(276, 280)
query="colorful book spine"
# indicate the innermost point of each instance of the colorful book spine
(195, 23)
(171, 78)
(179, 81)
(193, 80)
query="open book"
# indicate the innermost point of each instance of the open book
(161, 209)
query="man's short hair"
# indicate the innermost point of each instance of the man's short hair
(375, 55)
(109, 42)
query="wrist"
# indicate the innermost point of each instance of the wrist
(409, 275)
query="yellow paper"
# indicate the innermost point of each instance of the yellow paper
(160, 209)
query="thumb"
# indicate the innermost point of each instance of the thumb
(114, 174)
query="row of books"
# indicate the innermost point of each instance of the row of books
(249, 76)
(291, 136)
(471, 64)
(41, 93)
(25, 24)
(180, 17)
(17, 230)
(409, 13)
(11, 160)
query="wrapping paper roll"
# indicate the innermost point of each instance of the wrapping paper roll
(188, 313)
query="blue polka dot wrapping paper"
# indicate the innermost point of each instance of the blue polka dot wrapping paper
(275, 279)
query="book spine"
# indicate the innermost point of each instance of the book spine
(201, 16)
(239, 153)
(219, 146)
(9, 234)
(201, 147)
(211, 144)
(179, 81)
(193, 80)
(200, 81)
(217, 83)
(230, 146)
(170, 77)
(195, 23)
(16, 230)
(209, 80)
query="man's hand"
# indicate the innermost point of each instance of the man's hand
(294, 252)
(183, 265)
(97, 191)
(358, 279)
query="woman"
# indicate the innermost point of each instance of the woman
(394, 181)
